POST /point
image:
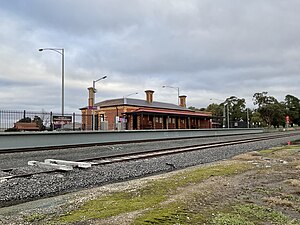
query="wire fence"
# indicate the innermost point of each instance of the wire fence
(11, 120)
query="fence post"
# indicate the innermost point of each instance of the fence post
(24, 115)
(51, 121)
(73, 121)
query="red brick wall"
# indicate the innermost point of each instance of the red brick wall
(112, 112)
(149, 122)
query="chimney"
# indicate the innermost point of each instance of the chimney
(91, 100)
(182, 100)
(149, 96)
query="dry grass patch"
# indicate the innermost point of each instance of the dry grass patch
(294, 182)
(250, 156)
(278, 201)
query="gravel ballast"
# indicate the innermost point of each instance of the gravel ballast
(14, 191)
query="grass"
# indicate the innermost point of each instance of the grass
(34, 217)
(244, 214)
(258, 213)
(112, 205)
(172, 213)
(291, 150)
(251, 214)
(149, 197)
(232, 219)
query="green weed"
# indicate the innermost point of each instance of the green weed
(230, 218)
(169, 214)
(258, 213)
(34, 217)
(148, 197)
(250, 214)
(113, 205)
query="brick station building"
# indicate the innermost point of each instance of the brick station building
(137, 114)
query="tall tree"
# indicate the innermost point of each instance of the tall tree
(215, 109)
(271, 111)
(257, 120)
(217, 112)
(237, 108)
(292, 105)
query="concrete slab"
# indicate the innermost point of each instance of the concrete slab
(50, 166)
(83, 165)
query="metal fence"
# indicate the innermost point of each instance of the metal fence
(55, 121)
(49, 120)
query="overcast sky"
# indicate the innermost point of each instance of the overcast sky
(209, 49)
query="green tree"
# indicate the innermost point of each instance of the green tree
(271, 111)
(193, 108)
(237, 108)
(292, 105)
(257, 120)
(215, 109)
(217, 112)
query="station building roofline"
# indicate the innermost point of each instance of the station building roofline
(154, 107)
(138, 103)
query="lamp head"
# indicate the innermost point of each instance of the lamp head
(41, 49)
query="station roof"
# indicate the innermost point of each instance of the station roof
(154, 107)
(172, 112)
(138, 103)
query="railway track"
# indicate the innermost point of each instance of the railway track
(33, 141)
(52, 165)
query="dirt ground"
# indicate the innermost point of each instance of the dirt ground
(254, 188)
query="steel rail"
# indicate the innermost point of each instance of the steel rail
(174, 150)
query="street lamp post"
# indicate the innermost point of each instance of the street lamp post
(94, 90)
(125, 97)
(248, 125)
(94, 82)
(177, 88)
(60, 51)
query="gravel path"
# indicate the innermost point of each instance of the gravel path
(44, 185)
